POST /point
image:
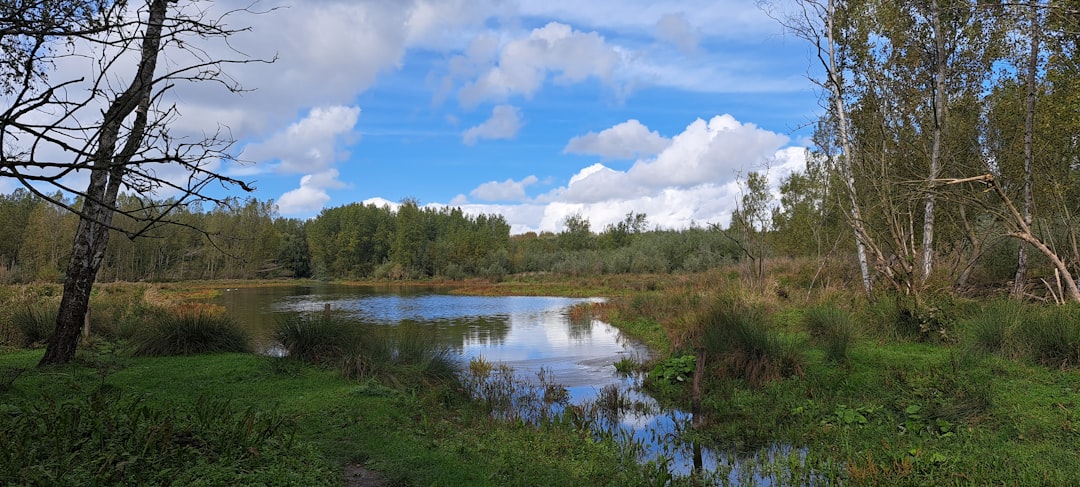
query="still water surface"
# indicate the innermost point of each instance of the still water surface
(525, 332)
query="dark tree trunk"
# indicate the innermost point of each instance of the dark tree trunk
(95, 220)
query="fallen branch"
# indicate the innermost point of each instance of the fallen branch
(1061, 270)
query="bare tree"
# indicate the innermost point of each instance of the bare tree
(109, 122)
(815, 21)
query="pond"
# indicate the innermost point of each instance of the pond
(532, 335)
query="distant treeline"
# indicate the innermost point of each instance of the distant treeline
(245, 239)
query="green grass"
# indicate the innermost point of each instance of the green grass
(832, 328)
(410, 436)
(320, 338)
(190, 332)
(992, 401)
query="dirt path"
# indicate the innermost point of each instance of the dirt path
(358, 476)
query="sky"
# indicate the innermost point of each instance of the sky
(536, 110)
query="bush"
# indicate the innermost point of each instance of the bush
(904, 318)
(190, 332)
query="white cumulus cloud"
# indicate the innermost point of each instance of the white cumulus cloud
(523, 65)
(504, 123)
(626, 140)
(310, 144)
(311, 195)
(508, 190)
(692, 181)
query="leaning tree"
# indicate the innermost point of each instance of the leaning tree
(87, 110)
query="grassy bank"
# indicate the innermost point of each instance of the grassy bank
(317, 421)
(884, 392)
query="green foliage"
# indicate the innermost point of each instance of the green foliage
(190, 332)
(576, 235)
(674, 370)
(107, 437)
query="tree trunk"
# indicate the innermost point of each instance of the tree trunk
(92, 236)
(940, 102)
(1025, 234)
(1020, 280)
(849, 178)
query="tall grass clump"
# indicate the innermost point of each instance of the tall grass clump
(989, 329)
(188, 332)
(319, 338)
(419, 351)
(738, 338)
(359, 350)
(832, 328)
(1052, 336)
(35, 323)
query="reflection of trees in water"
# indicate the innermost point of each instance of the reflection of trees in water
(579, 321)
(463, 332)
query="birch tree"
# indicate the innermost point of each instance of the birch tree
(86, 101)
(816, 22)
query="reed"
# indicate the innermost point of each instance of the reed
(189, 332)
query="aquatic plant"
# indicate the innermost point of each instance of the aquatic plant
(321, 338)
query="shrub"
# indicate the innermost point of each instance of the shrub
(190, 332)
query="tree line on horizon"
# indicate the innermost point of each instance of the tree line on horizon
(246, 239)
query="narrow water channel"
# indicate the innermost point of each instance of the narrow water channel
(531, 335)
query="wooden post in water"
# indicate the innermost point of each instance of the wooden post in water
(326, 308)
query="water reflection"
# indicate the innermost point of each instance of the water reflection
(548, 354)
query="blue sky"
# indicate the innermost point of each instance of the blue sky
(533, 109)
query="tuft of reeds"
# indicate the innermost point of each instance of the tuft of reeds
(990, 329)
(738, 338)
(35, 323)
(832, 328)
(361, 350)
(320, 338)
(189, 332)
(1052, 337)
